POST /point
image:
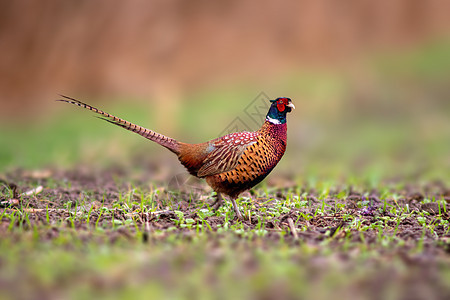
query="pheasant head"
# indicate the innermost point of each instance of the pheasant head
(278, 110)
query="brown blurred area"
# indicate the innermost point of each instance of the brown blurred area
(159, 50)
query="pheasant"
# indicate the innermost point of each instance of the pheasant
(231, 164)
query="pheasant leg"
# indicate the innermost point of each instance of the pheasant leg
(218, 202)
(236, 209)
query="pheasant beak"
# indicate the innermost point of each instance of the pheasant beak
(291, 105)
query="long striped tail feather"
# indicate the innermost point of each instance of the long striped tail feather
(167, 142)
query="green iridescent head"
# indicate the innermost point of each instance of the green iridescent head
(278, 110)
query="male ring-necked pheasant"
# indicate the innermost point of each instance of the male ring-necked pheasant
(231, 164)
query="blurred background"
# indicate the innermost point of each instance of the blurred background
(370, 80)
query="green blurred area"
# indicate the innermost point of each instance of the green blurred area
(387, 116)
(210, 266)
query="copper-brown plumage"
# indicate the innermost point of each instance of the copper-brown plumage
(230, 164)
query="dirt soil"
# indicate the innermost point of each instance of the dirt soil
(187, 194)
(92, 191)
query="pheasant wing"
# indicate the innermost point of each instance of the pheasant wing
(224, 152)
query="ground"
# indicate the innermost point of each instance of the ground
(94, 233)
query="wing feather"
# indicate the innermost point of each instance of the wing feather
(225, 152)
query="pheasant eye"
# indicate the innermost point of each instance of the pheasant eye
(283, 101)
